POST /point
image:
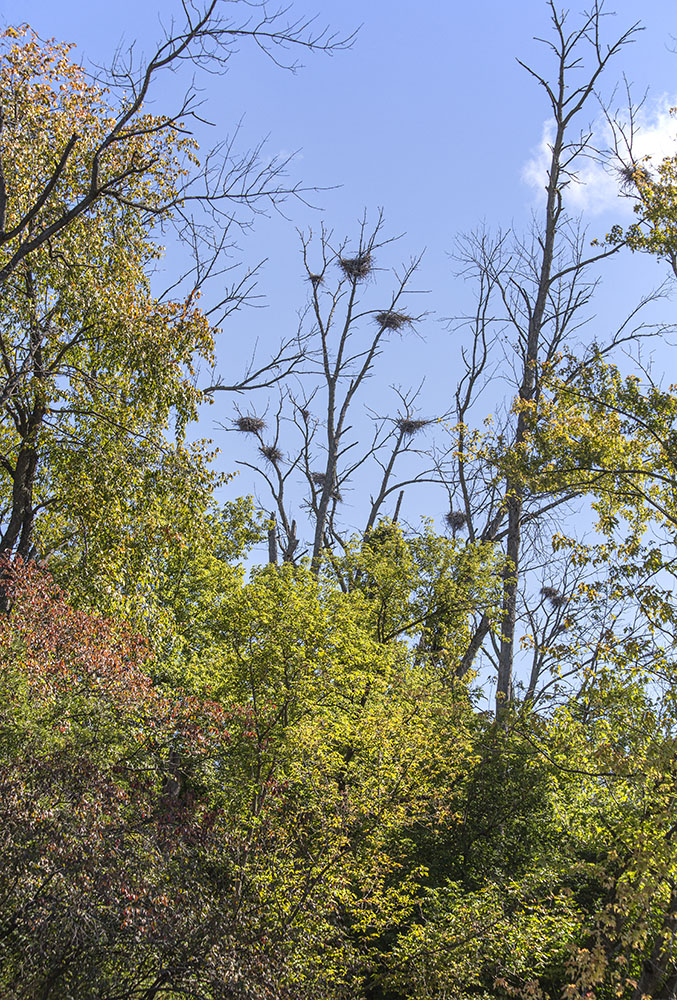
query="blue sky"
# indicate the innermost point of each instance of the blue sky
(428, 116)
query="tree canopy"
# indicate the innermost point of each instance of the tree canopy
(222, 777)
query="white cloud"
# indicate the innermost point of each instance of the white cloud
(597, 188)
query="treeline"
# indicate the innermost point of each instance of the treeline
(284, 782)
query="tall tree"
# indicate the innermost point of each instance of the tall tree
(99, 374)
(534, 290)
(314, 442)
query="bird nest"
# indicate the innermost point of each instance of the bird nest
(391, 320)
(315, 279)
(553, 595)
(634, 175)
(319, 479)
(356, 267)
(456, 519)
(271, 452)
(409, 426)
(249, 424)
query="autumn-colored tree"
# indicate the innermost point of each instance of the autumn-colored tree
(287, 789)
(242, 844)
(99, 374)
(120, 871)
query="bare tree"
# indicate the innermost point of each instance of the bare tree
(312, 437)
(533, 294)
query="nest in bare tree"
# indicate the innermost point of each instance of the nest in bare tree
(315, 279)
(319, 479)
(456, 519)
(409, 426)
(250, 425)
(356, 267)
(305, 414)
(391, 320)
(634, 175)
(271, 452)
(553, 595)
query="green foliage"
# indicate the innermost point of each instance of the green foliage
(98, 381)
(422, 588)
(654, 188)
(120, 867)
(280, 785)
(499, 941)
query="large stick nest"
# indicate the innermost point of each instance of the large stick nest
(456, 519)
(409, 426)
(391, 320)
(320, 479)
(271, 452)
(358, 267)
(634, 175)
(250, 424)
(553, 595)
